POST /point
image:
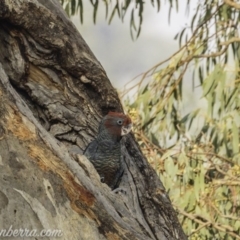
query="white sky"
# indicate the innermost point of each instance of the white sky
(121, 57)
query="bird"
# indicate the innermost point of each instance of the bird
(104, 152)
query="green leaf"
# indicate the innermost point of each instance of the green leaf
(113, 12)
(235, 138)
(154, 139)
(211, 81)
(106, 8)
(192, 116)
(67, 8)
(237, 225)
(95, 8)
(192, 202)
(197, 187)
(73, 7)
(175, 59)
(80, 6)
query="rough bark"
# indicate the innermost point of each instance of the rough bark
(53, 94)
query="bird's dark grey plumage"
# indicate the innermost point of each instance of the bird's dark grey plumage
(105, 151)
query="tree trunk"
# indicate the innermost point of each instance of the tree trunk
(53, 94)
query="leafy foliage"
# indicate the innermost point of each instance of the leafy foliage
(112, 8)
(196, 154)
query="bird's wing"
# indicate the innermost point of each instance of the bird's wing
(115, 183)
(95, 146)
(107, 144)
(91, 149)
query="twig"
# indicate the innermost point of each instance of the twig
(223, 228)
(232, 4)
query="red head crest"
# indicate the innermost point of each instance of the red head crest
(117, 123)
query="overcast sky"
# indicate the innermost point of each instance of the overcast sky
(122, 58)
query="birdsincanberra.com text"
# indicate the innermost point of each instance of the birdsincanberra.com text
(24, 232)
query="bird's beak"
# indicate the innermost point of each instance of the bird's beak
(126, 129)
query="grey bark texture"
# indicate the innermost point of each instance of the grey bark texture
(53, 93)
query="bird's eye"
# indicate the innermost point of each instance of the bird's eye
(119, 122)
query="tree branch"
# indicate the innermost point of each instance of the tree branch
(232, 4)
